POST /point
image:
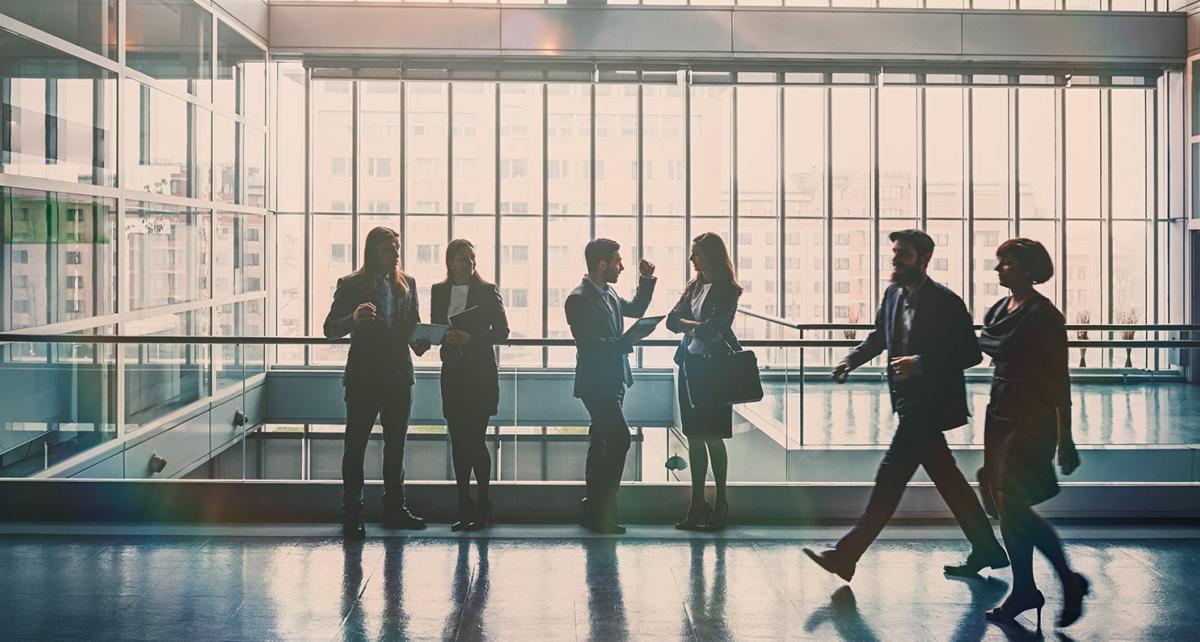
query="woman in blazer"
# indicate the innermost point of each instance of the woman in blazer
(704, 315)
(1028, 420)
(470, 382)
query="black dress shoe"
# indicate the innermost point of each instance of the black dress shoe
(466, 515)
(482, 516)
(831, 561)
(353, 531)
(977, 562)
(401, 517)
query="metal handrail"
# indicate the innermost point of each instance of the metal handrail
(1071, 327)
(18, 337)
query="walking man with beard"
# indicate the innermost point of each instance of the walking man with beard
(930, 340)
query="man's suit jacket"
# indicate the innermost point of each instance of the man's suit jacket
(943, 337)
(469, 372)
(716, 320)
(601, 361)
(377, 353)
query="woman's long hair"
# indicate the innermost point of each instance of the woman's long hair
(452, 250)
(719, 262)
(375, 237)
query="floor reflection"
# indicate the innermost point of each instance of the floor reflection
(513, 586)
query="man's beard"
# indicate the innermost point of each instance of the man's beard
(905, 275)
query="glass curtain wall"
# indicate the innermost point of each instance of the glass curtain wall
(133, 201)
(803, 174)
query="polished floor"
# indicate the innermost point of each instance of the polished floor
(555, 583)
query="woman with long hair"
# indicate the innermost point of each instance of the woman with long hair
(704, 315)
(377, 306)
(470, 379)
(1028, 420)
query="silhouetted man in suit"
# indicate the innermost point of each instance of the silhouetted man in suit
(377, 307)
(595, 313)
(930, 340)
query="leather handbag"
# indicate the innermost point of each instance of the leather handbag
(723, 378)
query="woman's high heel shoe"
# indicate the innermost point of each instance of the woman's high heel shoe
(482, 516)
(1016, 605)
(466, 513)
(1073, 601)
(695, 517)
(720, 517)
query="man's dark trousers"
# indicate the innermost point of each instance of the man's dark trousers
(391, 402)
(608, 443)
(916, 445)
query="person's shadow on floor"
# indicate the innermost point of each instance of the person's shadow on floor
(986, 592)
(842, 612)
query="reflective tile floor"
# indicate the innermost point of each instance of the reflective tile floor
(554, 583)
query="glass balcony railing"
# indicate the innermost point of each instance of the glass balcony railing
(169, 405)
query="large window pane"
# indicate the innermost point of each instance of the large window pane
(58, 260)
(804, 151)
(1131, 281)
(255, 167)
(91, 24)
(522, 272)
(235, 363)
(425, 147)
(481, 232)
(156, 141)
(1038, 157)
(668, 248)
(1083, 154)
(989, 234)
(168, 250)
(202, 159)
(565, 267)
(662, 150)
(161, 377)
(332, 145)
(758, 151)
(616, 149)
(474, 135)
(226, 135)
(1047, 233)
(946, 266)
(851, 276)
(989, 152)
(898, 152)
(60, 115)
(240, 85)
(758, 268)
(711, 151)
(1129, 154)
(289, 286)
(568, 149)
(851, 151)
(425, 239)
(379, 140)
(805, 271)
(944, 108)
(289, 136)
(332, 252)
(170, 40)
(520, 148)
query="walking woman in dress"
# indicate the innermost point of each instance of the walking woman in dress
(1028, 420)
(470, 382)
(704, 315)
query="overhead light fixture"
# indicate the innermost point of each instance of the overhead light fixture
(1067, 77)
(879, 79)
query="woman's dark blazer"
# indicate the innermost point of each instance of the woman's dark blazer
(377, 353)
(470, 380)
(716, 319)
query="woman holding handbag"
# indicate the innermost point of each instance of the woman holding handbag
(704, 315)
